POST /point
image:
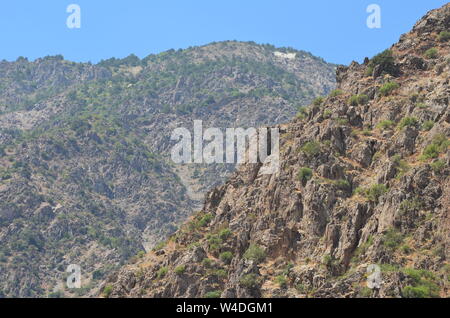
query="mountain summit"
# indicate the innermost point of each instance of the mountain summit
(360, 207)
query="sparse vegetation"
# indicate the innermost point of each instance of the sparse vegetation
(408, 122)
(226, 257)
(318, 101)
(422, 284)
(392, 239)
(281, 280)
(438, 166)
(311, 148)
(439, 145)
(388, 88)
(107, 291)
(431, 53)
(213, 294)
(249, 281)
(356, 100)
(305, 174)
(385, 124)
(444, 36)
(179, 270)
(255, 253)
(336, 92)
(428, 125)
(385, 61)
(162, 272)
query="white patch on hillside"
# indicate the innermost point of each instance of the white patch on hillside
(288, 56)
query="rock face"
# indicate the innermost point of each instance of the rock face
(364, 180)
(85, 172)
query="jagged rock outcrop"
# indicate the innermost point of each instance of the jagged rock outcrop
(364, 180)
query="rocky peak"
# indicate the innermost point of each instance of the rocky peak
(364, 183)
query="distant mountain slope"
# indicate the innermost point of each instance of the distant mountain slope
(85, 176)
(364, 181)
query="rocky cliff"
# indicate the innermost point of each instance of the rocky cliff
(364, 180)
(85, 172)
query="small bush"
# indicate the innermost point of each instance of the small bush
(207, 263)
(226, 257)
(343, 184)
(428, 125)
(431, 53)
(444, 36)
(249, 281)
(204, 220)
(213, 294)
(336, 92)
(439, 145)
(318, 101)
(225, 234)
(179, 270)
(311, 148)
(385, 124)
(255, 253)
(107, 291)
(375, 192)
(385, 60)
(356, 100)
(221, 273)
(305, 174)
(162, 272)
(392, 239)
(327, 113)
(281, 281)
(438, 166)
(388, 88)
(408, 122)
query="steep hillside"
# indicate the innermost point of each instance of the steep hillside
(85, 173)
(364, 180)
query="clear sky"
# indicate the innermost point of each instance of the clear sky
(333, 29)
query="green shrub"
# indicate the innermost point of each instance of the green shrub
(388, 88)
(365, 292)
(249, 281)
(281, 281)
(375, 192)
(162, 272)
(207, 263)
(336, 92)
(318, 101)
(342, 184)
(356, 100)
(431, 53)
(255, 253)
(422, 284)
(444, 36)
(385, 60)
(438, 166)
(392, 239)
(107, 291)
(305, 174)
(204, 220)
(428, 125)
(225, 234)
(439, 145)
(327, 113)
(311, 148)
(226, 257)
(221, 273)
(385, 124)
(179, 270)
(213, 294)
(408, 122)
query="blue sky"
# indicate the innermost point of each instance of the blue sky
(332, 29)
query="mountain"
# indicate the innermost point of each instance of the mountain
(85, 171)
(362, 193)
